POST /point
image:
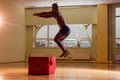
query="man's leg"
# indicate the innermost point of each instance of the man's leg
(58, 38)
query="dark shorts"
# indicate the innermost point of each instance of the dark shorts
(65, 30)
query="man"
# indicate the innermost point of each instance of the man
(64, 29)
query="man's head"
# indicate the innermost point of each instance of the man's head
(55, 6)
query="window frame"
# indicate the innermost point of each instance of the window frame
(116, 39)
(48, 40)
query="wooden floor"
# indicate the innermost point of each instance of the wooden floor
(64, 71)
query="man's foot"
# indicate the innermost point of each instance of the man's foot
(66, 54)
(62, 54)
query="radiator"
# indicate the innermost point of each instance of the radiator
(81, 56)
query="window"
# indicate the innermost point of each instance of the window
(80, 36)
(117, 15)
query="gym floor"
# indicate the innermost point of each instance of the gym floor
(64, 71)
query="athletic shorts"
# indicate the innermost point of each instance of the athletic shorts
(65, 30)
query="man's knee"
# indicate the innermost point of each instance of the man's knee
(56, 39)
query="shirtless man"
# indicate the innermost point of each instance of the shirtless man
(64, 29)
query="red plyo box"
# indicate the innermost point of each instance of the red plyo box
(41, 65)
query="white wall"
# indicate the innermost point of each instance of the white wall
(12, 31)
(76, 15)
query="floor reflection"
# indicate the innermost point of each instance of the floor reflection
(64, 71)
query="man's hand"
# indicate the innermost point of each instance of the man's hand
(36, 14)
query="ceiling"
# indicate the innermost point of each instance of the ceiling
(47, 3)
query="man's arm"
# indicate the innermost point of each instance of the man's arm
(44, 14)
